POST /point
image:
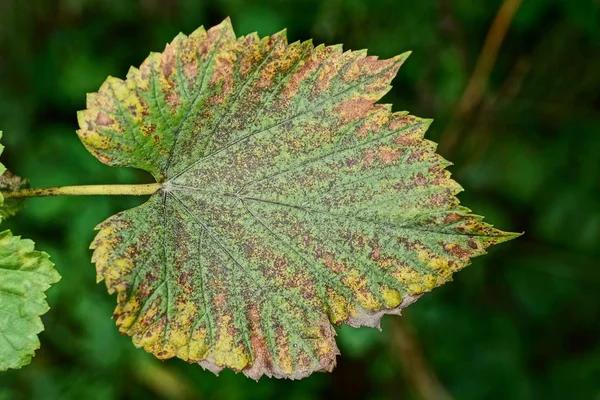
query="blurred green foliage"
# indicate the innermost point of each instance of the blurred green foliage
(520, 323)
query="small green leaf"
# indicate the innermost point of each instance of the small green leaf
(24, 276)
(290, 201)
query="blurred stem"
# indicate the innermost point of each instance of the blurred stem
(164, 381)
(420, 375)
(480, 77)
(485, 63)
(86, 190)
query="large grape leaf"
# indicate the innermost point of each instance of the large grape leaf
(289, 201)
(25, 274)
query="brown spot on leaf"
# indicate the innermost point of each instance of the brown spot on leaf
(168, 61)
(369, 157)
(307, 240)
(451, 218)
(456, 250)
(375, 253)
(353, 109)
(388, 155)
(416, 156)
(103, 120)
(173, 99)
(420, 179)
(438, 199)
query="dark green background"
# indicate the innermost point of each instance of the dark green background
(520, 323)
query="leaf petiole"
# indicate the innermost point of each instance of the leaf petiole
(86, 190)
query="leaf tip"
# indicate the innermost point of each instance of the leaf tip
(226, 26)
(506, 236)
(400, 59)
(282, 33)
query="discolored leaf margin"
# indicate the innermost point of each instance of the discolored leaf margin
(25, 274)
(289, 201)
